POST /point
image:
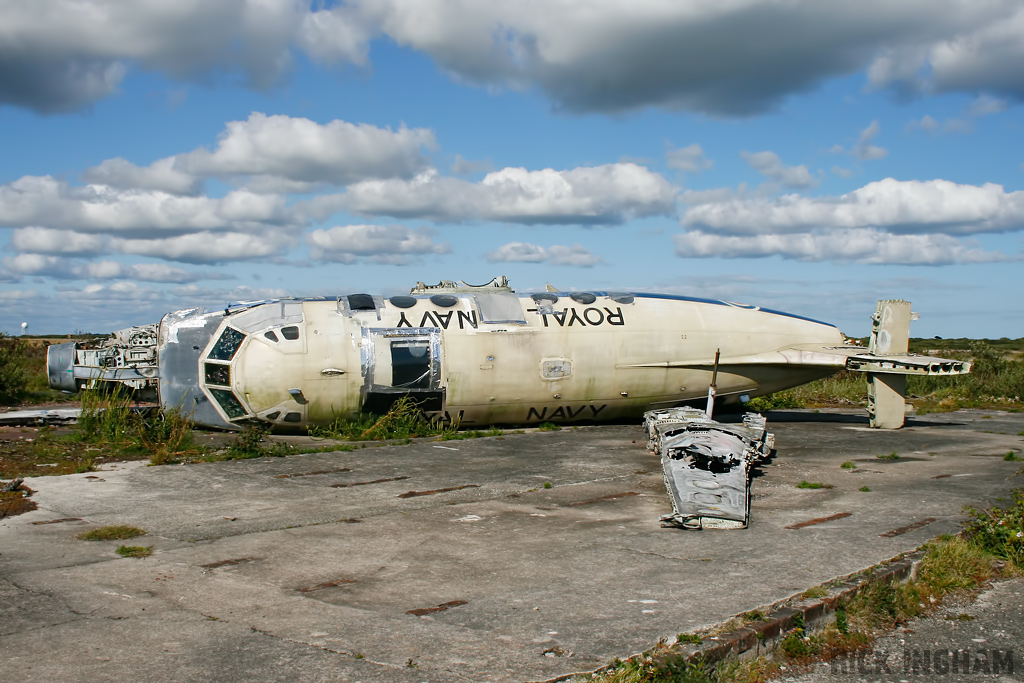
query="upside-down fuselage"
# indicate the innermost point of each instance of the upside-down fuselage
(479, 357)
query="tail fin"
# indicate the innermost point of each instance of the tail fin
(890, 328)
(890, 335)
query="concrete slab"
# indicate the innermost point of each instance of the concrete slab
(442, 561)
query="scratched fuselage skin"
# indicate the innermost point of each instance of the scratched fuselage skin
(302, 363)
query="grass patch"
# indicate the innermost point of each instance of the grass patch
(111, 533)
(849, 465)
(813, 485)
(548, 427)
(134, 550)
(889, 456)
(15, 502)
(815, 592)
(864, 489)
(404, 420)
(1012, 457)
(777, 401)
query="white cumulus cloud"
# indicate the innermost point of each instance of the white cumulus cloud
(387, 244)
(557, 254)
(867, 246)
(912, 206)
(611, 193)
(689, 159)
(770, 166)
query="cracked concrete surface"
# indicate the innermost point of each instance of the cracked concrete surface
(261, 576)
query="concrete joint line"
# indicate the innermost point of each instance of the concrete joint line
(782, 618)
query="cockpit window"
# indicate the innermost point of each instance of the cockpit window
(269, 334)
(227, 345)
(410, 364)
(216, 373)
(229, 403)
(290, 332)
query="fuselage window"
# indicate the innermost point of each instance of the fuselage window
(269, 334)
(410, 364)
(229, 403)
(293, 417)
(217, 373)
(227, 345)
(274, 415)
(291, 332)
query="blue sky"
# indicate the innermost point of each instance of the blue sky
(804, 156)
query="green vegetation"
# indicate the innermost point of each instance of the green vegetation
(849, 465)
(952, 565)
(548, 427)
(13, 370)
(813, 485)
(547, 484)
(1012, 457)
(889, 456)
(995, 381)
(134, 550)
(777, 401)
(111, 533)
(404, 420)
(864, 489)
(815, 592)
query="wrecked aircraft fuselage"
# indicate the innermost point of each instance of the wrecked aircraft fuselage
(707, 465)
(482, 355)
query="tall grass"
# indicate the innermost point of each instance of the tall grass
(13, 370)
(997, 377)
(404, 420)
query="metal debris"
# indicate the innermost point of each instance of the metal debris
(819, 520)
(367, 483)
(908, 528)
(423, 611)
(707, 465)
(416, 494)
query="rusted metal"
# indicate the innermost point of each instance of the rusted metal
(310, 474)
(415, 494)
(819, 520)
(614, 496)
(367, 483)
(58, 521)
(326, 584)
(228, 563)
(423, 611)
(908, 528)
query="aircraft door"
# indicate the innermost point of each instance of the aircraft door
(401, 362)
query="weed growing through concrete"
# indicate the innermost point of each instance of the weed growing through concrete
(813, 485)
(890, 456)
(849, 465)
(864, 489)
(548, 427)
(815, 592)
(547, 484)
(951, 565)
(1012, 457)
(111, 533)
(134, 550)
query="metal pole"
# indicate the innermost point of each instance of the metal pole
(713, 387)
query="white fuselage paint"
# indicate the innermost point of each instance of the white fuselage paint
(567, 362)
